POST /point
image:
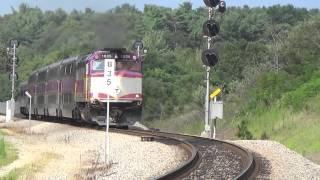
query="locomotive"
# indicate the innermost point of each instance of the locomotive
(76, 88)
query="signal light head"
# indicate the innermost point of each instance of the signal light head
(210, 57)
(137, 45)
(211, 3)
(211, 28)
(10, 60)
(15, 77)
(14, 42)
(222, 6)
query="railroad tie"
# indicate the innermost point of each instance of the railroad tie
(147, 138)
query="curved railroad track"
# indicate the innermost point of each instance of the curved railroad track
(208, 158)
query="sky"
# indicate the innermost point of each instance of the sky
(103, 5)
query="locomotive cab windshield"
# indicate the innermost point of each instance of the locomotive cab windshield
(97, 66)
(128, 66)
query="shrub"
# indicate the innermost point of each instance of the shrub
(2, 148)
(297, 97)
(264, 136)
(243, 132)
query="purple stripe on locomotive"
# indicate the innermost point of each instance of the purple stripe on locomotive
(67, 85)
(52, 86)
(40, 88)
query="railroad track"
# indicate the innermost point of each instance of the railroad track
(207, 158)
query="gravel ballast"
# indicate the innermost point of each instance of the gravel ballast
(217, 162)
(280, 162)
(69, 152)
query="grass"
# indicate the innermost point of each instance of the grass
(188, 123)
(7, 152)
(293, 119)
(28, 171)
(298, 129)
(2, 148)
(13, 175)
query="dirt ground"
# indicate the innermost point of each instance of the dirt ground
(315, 157)
(58, 151)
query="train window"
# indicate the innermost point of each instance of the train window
(81, 65)
(80, 70)
(98, 65)
(128, 65)
(42, 76)
(70, 69)
(33, 78)
(53, 73)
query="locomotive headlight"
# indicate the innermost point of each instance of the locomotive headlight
(137, 95)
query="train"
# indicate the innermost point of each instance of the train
(76, 88)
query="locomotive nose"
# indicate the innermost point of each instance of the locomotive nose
(117, 90)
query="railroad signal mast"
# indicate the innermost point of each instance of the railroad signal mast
(210, 56)
(13, 76)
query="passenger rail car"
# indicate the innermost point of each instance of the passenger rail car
(76, 88)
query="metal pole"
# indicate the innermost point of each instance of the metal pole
(29, 96)
(13, 81)
(207, 104)
(214, 121)
(207, 126)
(214, 127)
(30, 115)
(13, 71)
(107, 143)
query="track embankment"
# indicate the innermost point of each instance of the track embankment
(62, 151)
